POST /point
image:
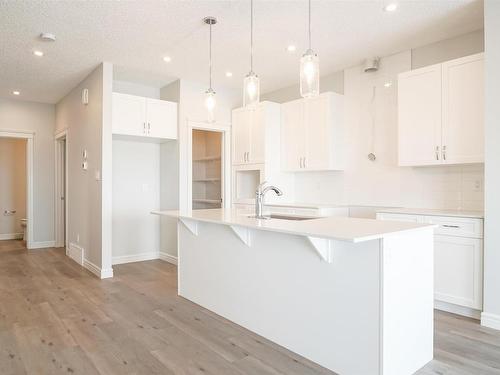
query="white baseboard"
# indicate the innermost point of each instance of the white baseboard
(136, 257)
(76, 253)
(11, 236)
(490, 320)
(41, 244)
(456, 309)
(168, 258)
(102, 273)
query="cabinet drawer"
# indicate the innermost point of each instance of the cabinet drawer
(457, 226)
(400, 217)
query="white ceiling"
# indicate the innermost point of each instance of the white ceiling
(135, 35)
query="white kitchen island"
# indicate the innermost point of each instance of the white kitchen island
(353, 295)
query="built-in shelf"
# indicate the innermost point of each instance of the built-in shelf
(215, 179)
(207, 158)
(211, 201)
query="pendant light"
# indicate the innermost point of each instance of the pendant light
(309, 69)
(210, 93)
(251, 83)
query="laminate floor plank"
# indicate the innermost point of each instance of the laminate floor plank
(58, 318)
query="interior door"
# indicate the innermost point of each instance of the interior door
(161, 119)
(242, 121)
(293, 135)
(316, 114)
(419, 116)
(129, 114)
(463, 110)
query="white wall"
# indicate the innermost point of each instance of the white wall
(136, 192)
(383, 183)
(12, 186)
(89, 128)
(131, 88)
(39, 119)
(491, 315)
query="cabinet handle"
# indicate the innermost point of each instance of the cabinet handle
(300, 162)
(248, 155)
(149, 128)
(144, 127)
(451, 226)
(444, 152)
(304, 161)
(437, 152)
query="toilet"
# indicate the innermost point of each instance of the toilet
(24, 224)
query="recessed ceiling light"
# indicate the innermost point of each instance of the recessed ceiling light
(167, 59)
(291, 48)
(229, 74)
(38, 53)
(16, 92)
(391, 7)
(388, 84)
(48, 37)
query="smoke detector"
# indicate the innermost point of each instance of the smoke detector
(371, 65)
(48, 37)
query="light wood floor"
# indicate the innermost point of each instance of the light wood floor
(57, 318)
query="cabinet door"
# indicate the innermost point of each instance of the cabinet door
(242, 121)
(257, 135)
(128, 114)
(463, 110)
(419, 116)
(316, 121)
(161, 119)
(292, 136)
(458, 270)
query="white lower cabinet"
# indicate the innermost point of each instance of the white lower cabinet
(458, 261)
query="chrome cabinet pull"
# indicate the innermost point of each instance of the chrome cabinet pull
(304, 161)
(451, 226)
(444, 152)
(437, 152)
(144, 127)
(248, 155)
(149, 128)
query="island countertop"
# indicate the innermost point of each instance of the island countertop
(335, 228)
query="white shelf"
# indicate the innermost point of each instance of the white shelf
(211, 201)
(214, 179)
(207, 158)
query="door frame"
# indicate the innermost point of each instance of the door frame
(29, 136)
(61, 235)
(225, 131)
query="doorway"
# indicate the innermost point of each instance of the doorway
(61, 189)
(16, 189)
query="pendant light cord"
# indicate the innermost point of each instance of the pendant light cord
(251, 35)
(210, 58)
(309, 24)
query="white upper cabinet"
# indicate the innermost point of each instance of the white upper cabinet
(252, 132)
(419, 116)
(441, 114)
(144, 117)
(463, 110)
(313, 133)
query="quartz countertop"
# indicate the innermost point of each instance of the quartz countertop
(336, 228)
(434, 212)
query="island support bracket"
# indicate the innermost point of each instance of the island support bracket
(242, 233)
(191, 225)
(324, 248)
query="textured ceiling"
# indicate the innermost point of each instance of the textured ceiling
(135, 35)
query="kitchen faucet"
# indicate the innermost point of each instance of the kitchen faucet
(259, 198)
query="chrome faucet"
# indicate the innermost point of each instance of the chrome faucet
(259, 198)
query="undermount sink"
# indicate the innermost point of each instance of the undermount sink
(288, 217)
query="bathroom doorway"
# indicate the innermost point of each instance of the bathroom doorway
(61, 189)
(16, 176)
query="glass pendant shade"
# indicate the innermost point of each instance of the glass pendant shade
(210, 102)
(251, 90)
(309, 74)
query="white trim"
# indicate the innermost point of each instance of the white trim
(490, 320)
(41, 245)
(136, 257)
(11, 236)
(61, 239)
(225, 130)
(30, 221)
(168, 258)
(456, 309)
(99, 272)
(75, 252)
